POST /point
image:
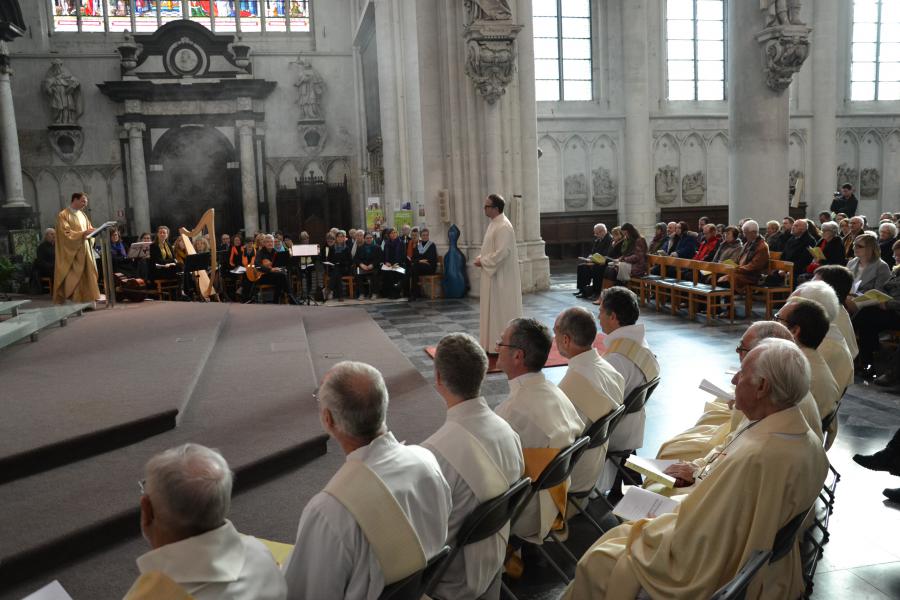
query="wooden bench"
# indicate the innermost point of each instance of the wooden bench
(772, 294)
(163, 289)
(348, 280)
(712, 294)
(435, 288)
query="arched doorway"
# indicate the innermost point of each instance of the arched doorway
(189, 175)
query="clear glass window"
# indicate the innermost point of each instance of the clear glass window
(695, 47)
(875, 51)
(562, 50)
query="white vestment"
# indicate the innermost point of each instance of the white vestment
(543, 417)
(824, 388)
(221, 563)
(846, 328)
(596, 389)
(501, 284)
(837, 356)
(462, 456)
(333, 559)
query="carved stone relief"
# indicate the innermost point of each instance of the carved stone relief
(785, 42)
(310, 90)
(487, 10)
(869, 183)
(605, 189)
(666, 184)
(693, 187)
(846, 174)
(794, 176)
(491, 55)
(576, 191)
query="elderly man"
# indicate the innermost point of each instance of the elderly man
(834, 349)
(196, 550)
(668, 246)
(857, 228)
(541, 414)
(629, 354)
(481, 457)
(808, 323)
(383, 514)
(591, 383)
(589, 275)
(796, 248)
(772, 470)
(709, 245)
(700, 441)
(752, 262)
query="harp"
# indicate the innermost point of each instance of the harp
(205, 282)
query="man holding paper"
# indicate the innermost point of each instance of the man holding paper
(75, 272)
(772, 471)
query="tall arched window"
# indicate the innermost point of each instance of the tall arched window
(146, 16)
(695, 49)
(875, 63)
(562, 49)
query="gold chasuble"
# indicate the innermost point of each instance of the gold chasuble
(775, 472)
(75, 273)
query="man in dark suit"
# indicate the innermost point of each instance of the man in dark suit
(796, 248)
(590, 275)
(845, 203)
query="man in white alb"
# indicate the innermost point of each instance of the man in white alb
(540, 413)
(383, 514)
(501, 284)
(481, 457)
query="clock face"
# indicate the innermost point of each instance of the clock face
(186, 60)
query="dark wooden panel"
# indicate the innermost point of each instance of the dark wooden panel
(716, 213)
(570, 234)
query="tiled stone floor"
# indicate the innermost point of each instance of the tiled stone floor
(862, 560)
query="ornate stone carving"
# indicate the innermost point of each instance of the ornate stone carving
(488, 10)
(576, 191)
(128, 55)
(869, 183)
(67, 141)
(605, 189)
(63, 93)
(310, 89)
(693, 187)
(491, 55)
(785, 49)
(846, 174)
(782, 12)
(666, 184)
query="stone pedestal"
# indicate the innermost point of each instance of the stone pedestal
(248, 177)
(9, 138)
(140, 198)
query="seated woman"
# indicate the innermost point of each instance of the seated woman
(710, 244)
(687, 242)
(423, 262)
(831, 246)
(368, 261)
(340, 256)
(659, 236)
(731, 246)
(162, 257)
(869, 271)
(180, 250)
(264, 261)
(394, 256)
(887, 235)
(870, 321)
(326, 255)
(235, 252)
(116, 245)
(634, 254)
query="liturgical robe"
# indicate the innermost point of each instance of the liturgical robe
(822, 385)
(773, 471)
(481, 457)
(221, 563)
(596, 389)
(543, 417)
(837, 356)
(332, 557)
(501, 284)
(846, 328)
(75, 272)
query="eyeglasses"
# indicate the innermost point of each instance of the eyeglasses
(315, 395)
(489, 206)
(779, 318)
(741, 349)
(141, 483)
(499, 344)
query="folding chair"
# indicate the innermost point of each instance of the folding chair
(413, 586)
(636, 400)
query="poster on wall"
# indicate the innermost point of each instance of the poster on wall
(403, 217)
(374, 214)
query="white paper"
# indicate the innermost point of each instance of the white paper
(708, 386)
(239, 270)
(328, 263)
(51, 591)
(305, 250)
(396, 269)
(638, 503)
(855, 289)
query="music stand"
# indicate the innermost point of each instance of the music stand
(193, 263)
(298, 253)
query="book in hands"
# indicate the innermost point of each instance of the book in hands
(729, 261)
(719, 392)
(652, 469)
(638, 503)
(871, 298)
(817, 253)
(596, 258)
(395, 268)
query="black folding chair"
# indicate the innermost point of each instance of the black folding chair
(736, 589)
(486, 520)
(412, 587)
(635, 401)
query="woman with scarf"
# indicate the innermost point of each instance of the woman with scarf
(394, 256)
(634, 254)
(341, 258)
(422, 262)
(162, 257)
(658, 238)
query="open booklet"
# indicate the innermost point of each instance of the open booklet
(596, 258)
(652, 469)
(817, 253)
(395, 268)
(871, 298)
(638, 503)
(724, 392)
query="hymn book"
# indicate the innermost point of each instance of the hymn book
(708, 386)
(596, 258)
(871, 298)
(638, 503)
(817, 253)
(652, 469)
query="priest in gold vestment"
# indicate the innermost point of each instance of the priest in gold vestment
(75, 273)
(773, 470)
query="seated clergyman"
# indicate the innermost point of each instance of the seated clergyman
(481, 457)
(186, 496)
(772, 471)
(383, 514)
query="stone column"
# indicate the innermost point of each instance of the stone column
(248, 177)
(640, 201)
(388, 66)
(140, 198)
(761, 62)
(824, 106)
(9, 137)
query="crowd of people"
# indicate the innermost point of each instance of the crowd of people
(852, 255)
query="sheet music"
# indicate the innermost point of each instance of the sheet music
(638, 503)
(51, 591)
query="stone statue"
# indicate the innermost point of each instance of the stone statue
(869, 182)
(605, 189)
(310, 88)
(782, 12)
(63, 93)
(693, 187)
(488, 10)
(666, 184)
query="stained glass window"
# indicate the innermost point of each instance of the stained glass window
(562, 49)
